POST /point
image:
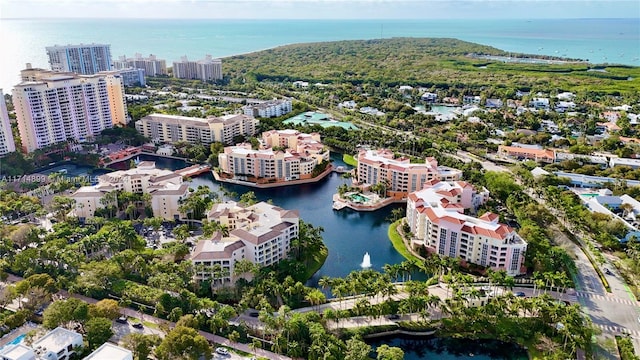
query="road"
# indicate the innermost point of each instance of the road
(614, 313)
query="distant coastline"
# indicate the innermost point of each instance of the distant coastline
(599, 40)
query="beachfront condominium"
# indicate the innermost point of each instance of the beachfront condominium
(284, 155)
(7, 144)
(55, 107)
(437, 221)
(172, 128)
(85, 59)
(268, 109)
(260, 233)
(152, 65)
(207, 69)
(167, 190)
(399, 175)
(130, 76)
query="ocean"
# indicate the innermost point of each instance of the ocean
(24, 41)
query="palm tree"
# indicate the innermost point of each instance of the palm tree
(316, 297)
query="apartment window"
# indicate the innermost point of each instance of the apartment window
(483, 255)
(515, 259)
(443, 241)
(453, 244)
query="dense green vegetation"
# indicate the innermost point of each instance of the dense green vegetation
(625, 348)
(438, 63)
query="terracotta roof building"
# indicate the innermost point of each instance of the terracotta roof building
(402, 176)
(437, 220)
(261, 233)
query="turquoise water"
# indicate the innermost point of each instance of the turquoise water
(15, 341)
(359, 198)
(321, 119)
(599, 40)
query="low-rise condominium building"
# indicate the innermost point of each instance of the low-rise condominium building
(260, 233)
(437, 220)
(166, 188)
(399, 174)
(207, 69)
(173, 128)
(55, 107)
(285, 155)
(268, 109)
(152, 66)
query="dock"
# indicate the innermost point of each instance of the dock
(193, 170)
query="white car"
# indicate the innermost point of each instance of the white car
(222, 351)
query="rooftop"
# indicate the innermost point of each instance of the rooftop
(57, 339)
(108, 351)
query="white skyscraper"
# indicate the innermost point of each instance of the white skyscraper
(86, 59)
(7, 144)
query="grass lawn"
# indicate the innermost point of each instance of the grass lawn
(398, 244)
(316, 262)
(349, 160)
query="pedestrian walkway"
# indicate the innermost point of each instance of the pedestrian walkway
(612, 298)
(618, 330)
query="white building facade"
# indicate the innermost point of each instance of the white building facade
(53, 108)
(261, 233)
(151, 65)
(173, 128)
(207, 69)
(269, 109)
(402, 176)
(166, 188)
(7, 144)
(437, 220)
(58, 344)
(299, 156)
(85, 59)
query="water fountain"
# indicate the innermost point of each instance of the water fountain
(366, 261)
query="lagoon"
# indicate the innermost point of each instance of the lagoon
(348, 234)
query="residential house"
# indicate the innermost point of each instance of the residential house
(58, 344)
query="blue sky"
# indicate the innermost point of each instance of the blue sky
(320, 9)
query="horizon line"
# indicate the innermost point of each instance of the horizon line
(326, 19)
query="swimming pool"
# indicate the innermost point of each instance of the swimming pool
(15, 341)
(358, 198)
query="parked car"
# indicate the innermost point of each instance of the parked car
(520, 294)
(222, 351)
(138, 326)
(394, 317)
(254, 314)
(122, 320)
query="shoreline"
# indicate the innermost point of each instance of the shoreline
(316, 179)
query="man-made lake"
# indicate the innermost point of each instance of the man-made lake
(452, 349)
(348, 234)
